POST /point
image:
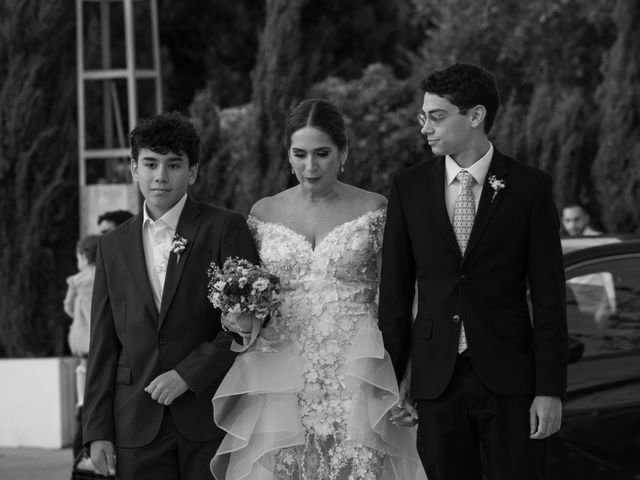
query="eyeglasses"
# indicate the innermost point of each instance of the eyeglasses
(435, 120)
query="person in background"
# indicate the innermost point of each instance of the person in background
(79, 292)
(110, 220)
(77, 304)
(575, 220)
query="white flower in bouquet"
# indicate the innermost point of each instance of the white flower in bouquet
(214, 298)
(260, 285)
(219, 286)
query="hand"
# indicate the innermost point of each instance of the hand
(103, 457)
(165, 388)
(406, 417)
(240, 323)
(545, 416)
(404, 414)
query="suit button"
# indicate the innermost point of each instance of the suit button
(162, 341)
(456, 318)
(463, 278)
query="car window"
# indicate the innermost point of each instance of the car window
(603, 304)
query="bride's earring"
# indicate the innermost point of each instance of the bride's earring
(292, 172)
(342, 167)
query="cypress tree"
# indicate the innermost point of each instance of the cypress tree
(38, 178)
(616, 169)
(555, 132)
(279, 82)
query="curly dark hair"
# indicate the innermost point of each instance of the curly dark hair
(466, 85)
(164, 133)
(88, 246)
(115, 216)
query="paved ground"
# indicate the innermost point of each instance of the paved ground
(35, 464)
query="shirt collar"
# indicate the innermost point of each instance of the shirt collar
(478, 170)
(170, 218)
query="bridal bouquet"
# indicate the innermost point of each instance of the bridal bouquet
(240, 287)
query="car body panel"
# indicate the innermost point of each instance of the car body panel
(600, 435)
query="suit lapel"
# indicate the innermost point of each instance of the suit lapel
(436, 203)
(488, 203)
(188, 226)
(135, 259)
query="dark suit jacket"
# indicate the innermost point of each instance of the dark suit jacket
(132, 343)
(514, 244)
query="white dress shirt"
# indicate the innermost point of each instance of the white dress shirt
(452, 186)
(156, 239)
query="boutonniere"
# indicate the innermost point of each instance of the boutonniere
(178, 245)
(497, 185)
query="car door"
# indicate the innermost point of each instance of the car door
(600, 436)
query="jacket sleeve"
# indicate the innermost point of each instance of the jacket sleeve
(547, 287)
(104, 348)
(211, 360)
(397, 280)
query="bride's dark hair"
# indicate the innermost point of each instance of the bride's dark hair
(320, 114)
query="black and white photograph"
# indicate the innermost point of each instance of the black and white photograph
(319, 240)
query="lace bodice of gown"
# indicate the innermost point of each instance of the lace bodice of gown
(326, 289)
(347, 385)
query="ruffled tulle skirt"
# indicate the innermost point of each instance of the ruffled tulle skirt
(257, 404)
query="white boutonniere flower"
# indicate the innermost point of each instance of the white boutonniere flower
(178, 245)
(497, 185)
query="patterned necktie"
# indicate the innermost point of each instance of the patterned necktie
(464, 212)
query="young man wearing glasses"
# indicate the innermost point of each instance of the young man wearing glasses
(475, 229)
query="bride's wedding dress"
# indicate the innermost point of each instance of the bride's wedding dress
(311, 398)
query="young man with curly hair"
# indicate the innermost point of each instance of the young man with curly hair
(476, 230)
(157, 350)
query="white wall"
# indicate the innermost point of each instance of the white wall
(37, 402)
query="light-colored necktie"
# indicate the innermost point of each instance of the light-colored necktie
(464, 213)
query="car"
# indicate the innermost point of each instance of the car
(600, 434)
(569, 244)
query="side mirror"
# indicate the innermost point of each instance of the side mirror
(576, 350)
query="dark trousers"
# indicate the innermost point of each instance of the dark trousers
(77, 438)
(170, 456)
(469, 430)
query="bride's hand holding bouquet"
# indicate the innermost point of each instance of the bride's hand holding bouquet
(246, 294)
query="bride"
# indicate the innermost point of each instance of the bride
(313, 397)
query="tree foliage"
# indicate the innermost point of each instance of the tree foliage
(225, 134)
(555, 132)
(301, 43)
(617, 164)
(340, 39)
(280, 80)
(214, 45)
(523, 43)
(380, 115)
(545, 56)
(208, 44)
(38, 212)
(567, 70)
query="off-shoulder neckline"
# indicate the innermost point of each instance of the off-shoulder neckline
(328, 234)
